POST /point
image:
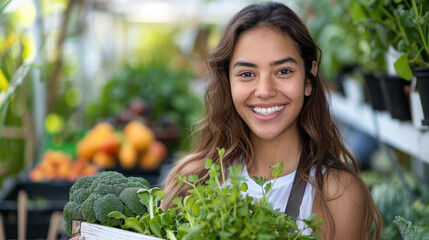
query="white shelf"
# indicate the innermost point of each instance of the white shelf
(398, 134)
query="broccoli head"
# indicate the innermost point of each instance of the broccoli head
(93, 198)
(109, 182)
(80, 195)
(71, 211)
(138, 182)
(81, 183)
(105, 205)
(132, 201)
(88, 208)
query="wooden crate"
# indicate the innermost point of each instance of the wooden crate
(99, 232)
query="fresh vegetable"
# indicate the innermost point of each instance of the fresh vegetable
(213, 211)
(106, 204)
(92, 198)
(129, 197)
(72, 211)
(216, 212)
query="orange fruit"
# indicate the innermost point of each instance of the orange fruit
(128, 156)
(154, 156)
(103, 160)
(139, 135)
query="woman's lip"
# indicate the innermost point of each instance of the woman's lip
(267, 105)
(270, 116)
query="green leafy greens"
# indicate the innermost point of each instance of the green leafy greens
(216, 210)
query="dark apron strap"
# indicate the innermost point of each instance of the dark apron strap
(295, 197)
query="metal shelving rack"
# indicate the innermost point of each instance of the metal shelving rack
(401, 135)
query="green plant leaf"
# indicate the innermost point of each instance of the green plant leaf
(4, 6)
(134, 224)
(403, 68)
(209, 163)
(244, 187)
(260, 180)
(155, 226)
(193, 178)
(117, 215)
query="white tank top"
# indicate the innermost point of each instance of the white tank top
(280, 195)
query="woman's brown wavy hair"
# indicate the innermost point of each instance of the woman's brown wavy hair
(222, 126)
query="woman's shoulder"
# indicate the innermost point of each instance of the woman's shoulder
(337, 182)
(345, 197)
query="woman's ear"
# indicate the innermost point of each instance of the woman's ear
(314, 68)
(308, 85)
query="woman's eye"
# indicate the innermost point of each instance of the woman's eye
(284, 71)
(246, 74)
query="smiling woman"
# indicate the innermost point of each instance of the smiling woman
(266, 104)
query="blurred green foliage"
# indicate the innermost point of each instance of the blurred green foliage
(333, 32)
(402, 24)
(392, 200)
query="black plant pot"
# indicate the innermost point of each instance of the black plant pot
(422, 75)
(373, 91)
(393, 89)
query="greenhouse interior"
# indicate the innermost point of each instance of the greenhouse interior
(116, 93)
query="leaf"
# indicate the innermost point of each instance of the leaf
(193, 178)
(134, 224)
(244, 187)
(177, 201)
(189, 201)
(167, 218)
(117, 215)
(155, 226)
(221, 152)
(209, 163)
(267, 187)
(403, 68)
(4, 6)
(277, 169)
(179, 179)
(158, 193)
(260, 180)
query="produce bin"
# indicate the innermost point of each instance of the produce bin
(99, 232)
(44, 199)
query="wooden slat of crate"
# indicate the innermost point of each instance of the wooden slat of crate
(99, 232)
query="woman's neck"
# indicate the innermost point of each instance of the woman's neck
(284, 148)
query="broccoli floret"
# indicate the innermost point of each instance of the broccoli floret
(88, 208)
(81, 183)
(131, 200)
(80, 195)
(72, 211)
(127, 212)
(105, 205)
(138, 182)
(109, 182)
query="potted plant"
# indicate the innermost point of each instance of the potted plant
(406, 24)
(371, 58)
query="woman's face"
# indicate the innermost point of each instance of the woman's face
(267, 81)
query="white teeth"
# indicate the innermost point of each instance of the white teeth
(267, 111)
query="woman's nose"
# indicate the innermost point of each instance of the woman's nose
(265, 87)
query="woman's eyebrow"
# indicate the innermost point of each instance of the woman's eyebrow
(275, 63)
(284, 60)
(244, 64)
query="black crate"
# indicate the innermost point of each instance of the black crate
(43, 199)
